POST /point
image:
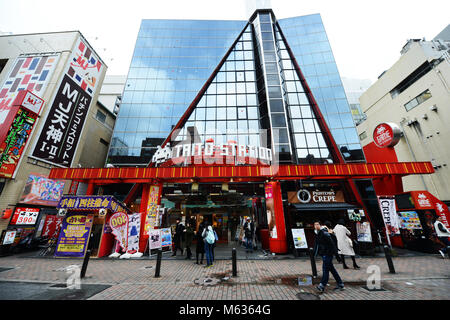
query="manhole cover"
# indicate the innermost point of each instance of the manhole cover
(58, 286)
(206, 281)
(307, 296)
(373, 290)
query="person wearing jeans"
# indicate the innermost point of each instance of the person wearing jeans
(326, 248)
(208, 246)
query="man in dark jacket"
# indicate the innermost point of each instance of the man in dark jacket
(326, 248)
(178, 238)
(249, 229)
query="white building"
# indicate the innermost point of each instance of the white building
(415, 95)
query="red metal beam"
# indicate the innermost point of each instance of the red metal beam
(249, 173)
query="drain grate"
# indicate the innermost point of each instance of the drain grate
(307, 296)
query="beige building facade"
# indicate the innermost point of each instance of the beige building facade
(92, 138)
(414, 94)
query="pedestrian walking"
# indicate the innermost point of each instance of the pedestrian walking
(325, 247)
(249, 230)
(208, 235)
(443, 234)
(344, 243)
(188, 237)
(333, 237)
(178, 238)
(200, 246)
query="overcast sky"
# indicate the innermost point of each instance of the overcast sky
(366, 36)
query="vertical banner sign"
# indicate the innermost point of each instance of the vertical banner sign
(30, 73)
(12, 147)
(152, 208)
(390, 217)
(74, 235)
(52, 226)
(134, 226)
(119, 228)
(62, 128)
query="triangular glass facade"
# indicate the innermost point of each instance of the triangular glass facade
(256, 86)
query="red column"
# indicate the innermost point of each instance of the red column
(90, 189)
(151, 195)
(275, 217)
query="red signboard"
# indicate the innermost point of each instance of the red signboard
(386, 135)
(52, 226)
(25, 216)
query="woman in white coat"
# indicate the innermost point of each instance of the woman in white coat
(345, 244)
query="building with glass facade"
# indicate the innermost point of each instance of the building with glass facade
(174, 58)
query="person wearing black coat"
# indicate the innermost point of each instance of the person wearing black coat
(200, 247)
(325, 247)
(178, 237)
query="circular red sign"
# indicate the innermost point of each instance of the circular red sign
(386, 135)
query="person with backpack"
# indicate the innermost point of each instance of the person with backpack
(326, 248)
(209, 239)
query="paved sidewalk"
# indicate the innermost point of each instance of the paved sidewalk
(418, 277)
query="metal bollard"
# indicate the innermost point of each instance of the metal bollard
(313, 262)
(387, 253)
(234, 262)
(158, 263)
(448, 251)
(85, 263)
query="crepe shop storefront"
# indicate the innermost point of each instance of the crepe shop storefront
(100, 223)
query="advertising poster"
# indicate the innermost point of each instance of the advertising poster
(65, 119)
(154, 238)
(299, 238)
(52, 226)
(119, 228)
(363, 232)
(25, 216)
(166, 237)
(390, 217)
(152, 208)
(134, 226)
(9, 237)
(12, 147)
(410, 220)
(74, 235)
(31, 73)
(41, 190)
(270, 206)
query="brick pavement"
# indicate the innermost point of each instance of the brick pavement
(420, 277)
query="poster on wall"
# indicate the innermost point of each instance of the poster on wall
(41, 190)
(363, 233)
(166, 237)
(25, 216)
(31, 73)
(74, 236)
(390, 217)
(119, 228)
(270, 207)
(151, 220)
(410, 220)
(12, 147)
(134, 226)
(65, 119)
(299, 238)
(154, 238)
(9, 237)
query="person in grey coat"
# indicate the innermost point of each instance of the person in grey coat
(345, 244)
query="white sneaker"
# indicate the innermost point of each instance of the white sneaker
(442, 254)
